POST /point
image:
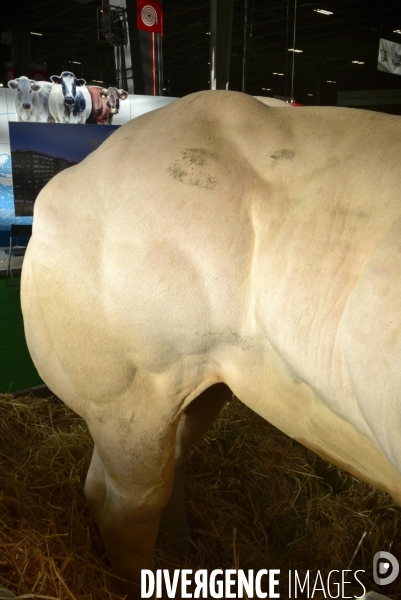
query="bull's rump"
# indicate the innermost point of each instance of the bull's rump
(220, 239)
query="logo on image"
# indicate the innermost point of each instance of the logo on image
(385, 568)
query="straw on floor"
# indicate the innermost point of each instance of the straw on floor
(256, 500)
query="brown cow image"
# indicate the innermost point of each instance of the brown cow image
(105, 104)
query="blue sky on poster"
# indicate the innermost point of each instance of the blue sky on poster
(59, 140)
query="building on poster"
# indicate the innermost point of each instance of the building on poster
(41, 150)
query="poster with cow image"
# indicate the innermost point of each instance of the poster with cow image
(39, 151)
(133, 106)
(66, 99)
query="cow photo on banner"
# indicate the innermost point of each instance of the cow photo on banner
(105, 104)
(31, 99)
(65, 99)
(39, 154)
(69, 100)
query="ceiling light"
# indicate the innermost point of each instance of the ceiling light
(278, 73)
(267, 89)
(75, 62)
(323, 12)
(329, 81)
(208, 33)
(310, 94)
(294, 50)
(97, 81)
(358, 62)
(396, 30)
(34, 33)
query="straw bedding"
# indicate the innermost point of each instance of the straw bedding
(255, 498)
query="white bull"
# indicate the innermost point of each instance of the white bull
(31, 99)
(260, 249)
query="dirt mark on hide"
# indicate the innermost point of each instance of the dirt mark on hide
(190, 169)
(283, 154)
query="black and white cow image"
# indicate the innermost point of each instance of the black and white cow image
(31, 99)
(69, 101)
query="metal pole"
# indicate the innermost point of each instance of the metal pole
(160, 63)
(221, 21)
(244, 60)
(293, 52)
(286, 50)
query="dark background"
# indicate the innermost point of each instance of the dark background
(329, 44)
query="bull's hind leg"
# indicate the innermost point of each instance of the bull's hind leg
(130, 480)
(193, 425)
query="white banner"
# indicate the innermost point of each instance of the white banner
(389, 59)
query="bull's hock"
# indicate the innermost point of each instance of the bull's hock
(258, 250)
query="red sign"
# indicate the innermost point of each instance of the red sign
(150, 16)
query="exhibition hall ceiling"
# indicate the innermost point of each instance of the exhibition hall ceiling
(329, 44)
